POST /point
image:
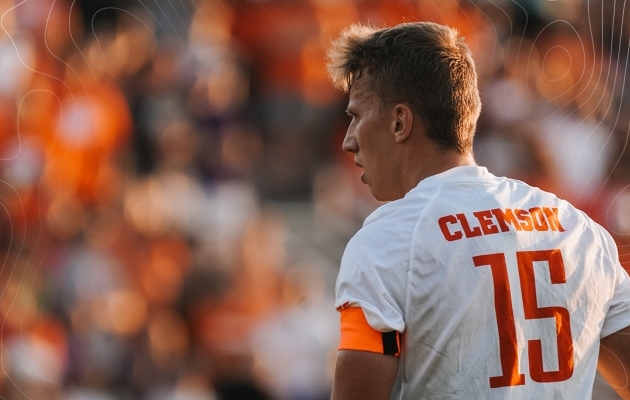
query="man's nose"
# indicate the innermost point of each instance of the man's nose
(350, 143)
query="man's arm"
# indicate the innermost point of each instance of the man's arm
(614, 361)
(362, 375)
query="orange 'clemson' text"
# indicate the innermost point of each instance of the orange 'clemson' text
(489, 222)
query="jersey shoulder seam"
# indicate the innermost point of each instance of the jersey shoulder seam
(412, 241)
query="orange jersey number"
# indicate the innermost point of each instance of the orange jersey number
(508, 348)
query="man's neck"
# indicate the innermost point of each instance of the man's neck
(432, 162)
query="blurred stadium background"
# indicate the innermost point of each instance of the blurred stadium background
(173, 197)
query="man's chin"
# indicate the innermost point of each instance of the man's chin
(378, 196)
(383, 197)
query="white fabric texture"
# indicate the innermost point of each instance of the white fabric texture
(411, 269)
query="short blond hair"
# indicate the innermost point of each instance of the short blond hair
(424, 64)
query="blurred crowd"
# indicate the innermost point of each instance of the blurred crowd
(174, 200)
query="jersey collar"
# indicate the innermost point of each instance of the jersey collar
(454, 175)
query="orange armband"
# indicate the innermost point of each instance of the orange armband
(357, 334)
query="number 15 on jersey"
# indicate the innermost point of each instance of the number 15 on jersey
(508, 347)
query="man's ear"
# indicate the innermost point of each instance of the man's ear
(403, 120)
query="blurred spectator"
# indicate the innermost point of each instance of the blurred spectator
(294, 349)
(515, 151)
(173, 194)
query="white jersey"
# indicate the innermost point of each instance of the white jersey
(501, 290)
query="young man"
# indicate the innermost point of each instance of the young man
(464, 285)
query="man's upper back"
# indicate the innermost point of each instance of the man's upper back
(503, 290)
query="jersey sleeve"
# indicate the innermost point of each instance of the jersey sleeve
(618, 315)
(373, 277)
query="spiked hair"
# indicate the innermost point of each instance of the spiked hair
(426, 65)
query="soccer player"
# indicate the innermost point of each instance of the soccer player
(463, 285)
